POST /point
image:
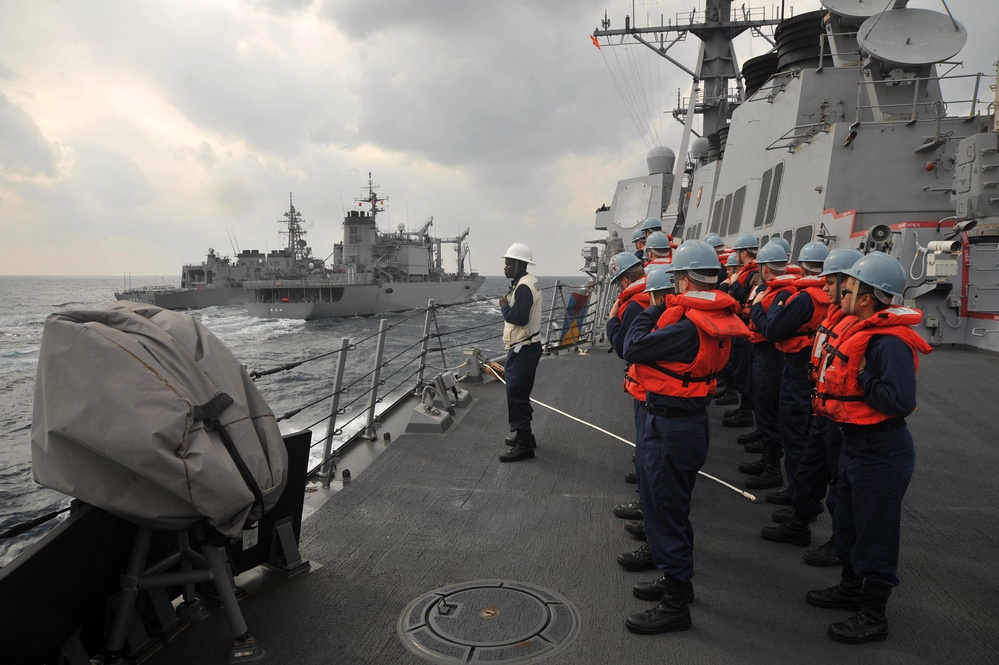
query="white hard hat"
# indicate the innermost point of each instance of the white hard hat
(520, 252)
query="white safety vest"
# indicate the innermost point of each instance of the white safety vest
(514, 335)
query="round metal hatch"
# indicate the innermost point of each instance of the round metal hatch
(494, 621)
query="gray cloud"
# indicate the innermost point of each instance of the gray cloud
(24, 150)
(110, 178)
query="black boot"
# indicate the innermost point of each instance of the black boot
(782, 497)
(741, 418)
(640, 559)
(631, 478)
(749, 437)
(784, 515)
(869, 624)
(629, 511)
(657, 589)
(771, 476)
(754, 446)
(744, 405)
(753, 468)
(795, 532)
(824, 555)
(519, 451)
(727, 398)
(521, 436)
(636, 529)
(671, 614)
(847, 595)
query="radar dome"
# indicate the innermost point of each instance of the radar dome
(401, 227)
(660, 160)
(699, 148)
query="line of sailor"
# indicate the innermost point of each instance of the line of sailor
(817, 357)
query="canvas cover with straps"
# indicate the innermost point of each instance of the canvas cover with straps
(143, 412)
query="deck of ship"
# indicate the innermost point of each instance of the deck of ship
(439, 510)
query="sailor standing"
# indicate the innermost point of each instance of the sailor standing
(869, 387)
(767, 366)
(740, 285)
(818, 465)
(627, 274)
(521, 309)
(677, 346)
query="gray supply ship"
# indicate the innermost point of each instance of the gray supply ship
(372, 271)
(437, 552)
(218, 280)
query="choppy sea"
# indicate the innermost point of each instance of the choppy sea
(260, 344)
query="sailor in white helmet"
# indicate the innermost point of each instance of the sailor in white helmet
(521, 309)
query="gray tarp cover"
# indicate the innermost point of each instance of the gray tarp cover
(113, 423)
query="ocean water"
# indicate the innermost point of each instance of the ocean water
(260, 344)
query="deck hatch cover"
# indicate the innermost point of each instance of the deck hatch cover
(494, 621)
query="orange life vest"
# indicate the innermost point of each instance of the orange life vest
(776, 286)
(839, 390)
(714, 314)
(803, 337)
(636, 292)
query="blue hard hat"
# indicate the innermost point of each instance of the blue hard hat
(658, 241)
(697, 257)
(732, 260)
(813, 252)
(746, 241)
(783, 243)
(714, 240)
(637, 234)
(659, 277)
(622, 263)
(653, 223)
(879, 270)
(839, 260)
(772, 252)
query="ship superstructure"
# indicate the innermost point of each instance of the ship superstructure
(856, 129)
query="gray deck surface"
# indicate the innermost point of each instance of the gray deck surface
(437, 510)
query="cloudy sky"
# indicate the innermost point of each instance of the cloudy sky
(135, 134)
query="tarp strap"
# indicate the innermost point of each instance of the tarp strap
(210, 414)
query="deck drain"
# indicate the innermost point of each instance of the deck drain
(488, 621)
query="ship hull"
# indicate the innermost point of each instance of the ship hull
(186, 298)
(307, 302)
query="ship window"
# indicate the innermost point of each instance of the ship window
(774, 193)
(735, 218)
(722, 230)
(354, 235)
(716, 215)
(761, 206)
(802, 237)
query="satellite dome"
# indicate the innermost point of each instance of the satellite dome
(699, 148)
(660, 160)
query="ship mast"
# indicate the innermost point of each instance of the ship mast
(297, 249)
(711, 95)
(372, 198)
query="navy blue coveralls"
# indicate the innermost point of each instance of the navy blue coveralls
(617, 330)
(765, 381)
(740, 362)
(520, 367)
(673, 448)
(876, 466)
(795, 401)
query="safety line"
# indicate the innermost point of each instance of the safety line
(744, 493)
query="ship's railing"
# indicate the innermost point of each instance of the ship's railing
(363, 381)
(917, 110)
